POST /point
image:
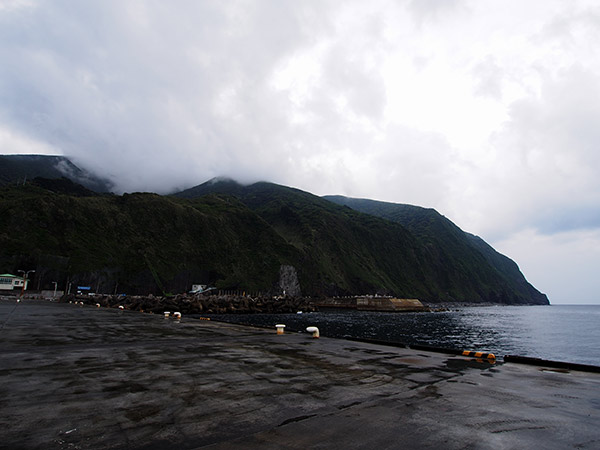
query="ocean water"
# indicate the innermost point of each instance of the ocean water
(568, 333)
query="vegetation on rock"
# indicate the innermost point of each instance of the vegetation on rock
(238, 237)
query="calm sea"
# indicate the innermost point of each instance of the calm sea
(558, 332)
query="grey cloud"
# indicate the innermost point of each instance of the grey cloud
(126, 87)
(572, 26)
(408, 166)
(489, 76)
(162, 96)
(363, 89)
(569, 217)
(427, 10)
(563, 121)
(547, 157)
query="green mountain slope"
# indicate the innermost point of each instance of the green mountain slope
(342, 251)
(462, 255)
(19, 168)
(137, 243)
(428, 256)
(238, 238)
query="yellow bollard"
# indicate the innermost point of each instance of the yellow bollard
(480, 355)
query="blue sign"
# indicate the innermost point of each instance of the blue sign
(83, 288)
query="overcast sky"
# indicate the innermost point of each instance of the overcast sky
(487, 111)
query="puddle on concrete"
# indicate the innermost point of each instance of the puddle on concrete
(410, 360)
(555, 370)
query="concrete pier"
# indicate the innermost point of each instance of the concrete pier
(81, 377)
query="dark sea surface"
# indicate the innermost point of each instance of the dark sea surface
(568, 333)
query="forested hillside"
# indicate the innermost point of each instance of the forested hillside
(239, 237)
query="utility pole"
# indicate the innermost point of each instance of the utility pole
(25, 275)
(55, 286)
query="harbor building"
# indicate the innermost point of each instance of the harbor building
(10, 282)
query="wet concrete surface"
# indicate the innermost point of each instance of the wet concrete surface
(80, 377)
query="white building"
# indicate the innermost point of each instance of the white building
(10, 282)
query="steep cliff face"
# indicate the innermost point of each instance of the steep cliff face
(456, 252)
(288, 281)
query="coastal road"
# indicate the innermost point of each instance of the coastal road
(80, 377)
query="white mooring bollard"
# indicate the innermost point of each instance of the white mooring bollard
(314, 331)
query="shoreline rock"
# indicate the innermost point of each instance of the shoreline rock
(199, 303)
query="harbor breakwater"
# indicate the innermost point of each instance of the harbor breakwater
(198, 304)
(245, 304)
